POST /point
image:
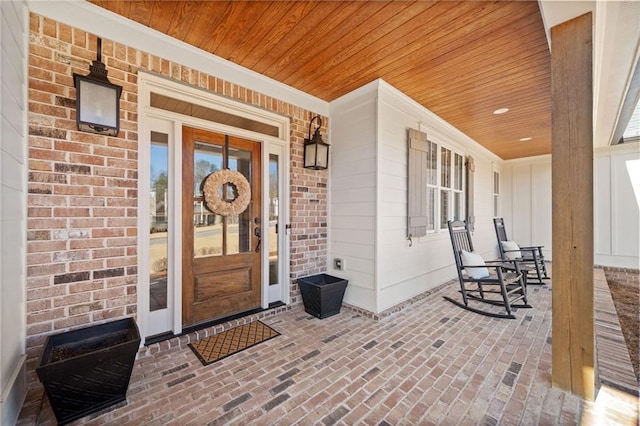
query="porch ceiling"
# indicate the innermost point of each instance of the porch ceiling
(461, 60)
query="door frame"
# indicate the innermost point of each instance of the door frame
(151, 323)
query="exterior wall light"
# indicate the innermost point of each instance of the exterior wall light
(316, 151)
(97, 100)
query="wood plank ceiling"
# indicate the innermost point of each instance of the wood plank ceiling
(461, 60)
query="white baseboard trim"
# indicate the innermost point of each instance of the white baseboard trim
(14, 393)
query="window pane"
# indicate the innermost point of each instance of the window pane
(273, 218)
(159, 221)
(432, 163)
(431, 209)
(457, 205)
(496, 192)
(445, 172)
(444, 208)
(458, 171)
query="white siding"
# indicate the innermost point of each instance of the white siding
(617, 206)
(13, 143)
(602, 205)
(352, 200)
(383, 270)
(528, 212)
(527, 201)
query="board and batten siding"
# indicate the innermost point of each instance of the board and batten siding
(527, 205)
(399, 270)
(526, 185)
(14, 27)
(617, 206)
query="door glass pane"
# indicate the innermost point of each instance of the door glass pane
(216, 235)
(158, 223)
(207, 237)
(273, 219)
(238, 229)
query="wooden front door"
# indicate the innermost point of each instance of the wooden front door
(220, 254)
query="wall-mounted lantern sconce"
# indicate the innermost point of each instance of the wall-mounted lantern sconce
(316, 151)
(97, 99)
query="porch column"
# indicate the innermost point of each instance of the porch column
(573, 351)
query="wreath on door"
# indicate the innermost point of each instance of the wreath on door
(241, 191)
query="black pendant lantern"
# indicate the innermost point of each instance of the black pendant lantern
(97, 100)
(316, 151)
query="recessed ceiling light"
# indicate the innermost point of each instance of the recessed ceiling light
(525, 139)
(500, 111)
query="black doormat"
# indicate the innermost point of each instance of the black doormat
(219, 346)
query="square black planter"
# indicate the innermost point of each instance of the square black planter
(322, 294)
(86, 370)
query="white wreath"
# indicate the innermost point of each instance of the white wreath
(212, 196)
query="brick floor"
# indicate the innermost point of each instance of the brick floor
(431, 363)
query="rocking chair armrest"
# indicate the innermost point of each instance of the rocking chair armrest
(509, 264)
(531, 248)
(498, 262)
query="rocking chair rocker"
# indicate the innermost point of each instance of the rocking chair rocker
(500, 283)
(529, 258)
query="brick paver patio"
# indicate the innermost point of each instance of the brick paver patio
(432, 363)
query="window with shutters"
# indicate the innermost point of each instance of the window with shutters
(451, 186)
(435, 186)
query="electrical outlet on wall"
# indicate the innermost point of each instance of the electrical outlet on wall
(338, 264)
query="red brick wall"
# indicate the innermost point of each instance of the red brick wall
(82, 215)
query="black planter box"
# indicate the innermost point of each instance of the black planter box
(322, 294)
(87, 370)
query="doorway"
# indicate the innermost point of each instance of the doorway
(194, 265)
(221, 256)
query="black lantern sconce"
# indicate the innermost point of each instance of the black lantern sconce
(316, 151)
(97, 99)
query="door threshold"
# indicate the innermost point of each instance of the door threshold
(193, 328)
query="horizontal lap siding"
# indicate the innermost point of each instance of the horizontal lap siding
(353, 198)
(368, 226)
(404, 271)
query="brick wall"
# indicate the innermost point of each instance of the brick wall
(623, 276)
(82, 218)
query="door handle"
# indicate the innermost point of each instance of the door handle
(258, 233)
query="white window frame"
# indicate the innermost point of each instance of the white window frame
(496, 207)
(451, 190)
